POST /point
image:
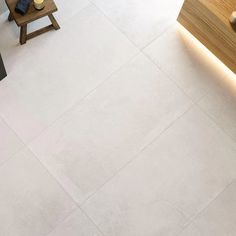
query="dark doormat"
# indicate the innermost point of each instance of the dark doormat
(3, 73)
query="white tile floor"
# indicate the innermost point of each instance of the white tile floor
(119, 124)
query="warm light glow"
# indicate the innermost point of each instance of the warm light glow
(207, 55)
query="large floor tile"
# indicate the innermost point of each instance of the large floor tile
(89, 144)
(142, 21)
(220, 105)
(9, 142)
(31, 201)
(186, 61)
(61, 70)
(177, 175)
(218, 219)
(76, 225)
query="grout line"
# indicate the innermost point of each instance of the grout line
(111, 22)
(93, 222)
(169, 77)
(137, 154)
(120, 30)
(70, 214)
(192, 219)
(168, 27)
(214, 121)
(68, 19)
(79, 101)
(77, 205)
(22, 143)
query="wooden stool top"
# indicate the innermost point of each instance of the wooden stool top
(32, 13)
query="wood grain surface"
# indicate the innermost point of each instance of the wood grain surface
(32, 13)
(208, 21)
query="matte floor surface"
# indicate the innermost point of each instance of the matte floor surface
(118, 124)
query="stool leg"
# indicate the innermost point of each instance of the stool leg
(23, 34)
(10, 18)
(54, 22)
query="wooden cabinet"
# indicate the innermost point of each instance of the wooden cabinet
(208, 21)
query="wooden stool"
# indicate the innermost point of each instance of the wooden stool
(30, 16)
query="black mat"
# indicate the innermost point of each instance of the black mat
(3, 73)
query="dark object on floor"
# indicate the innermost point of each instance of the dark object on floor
(22, 6)
(3, 73)
(31, 16)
